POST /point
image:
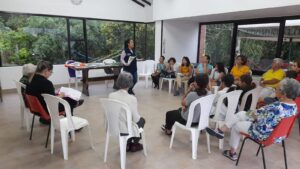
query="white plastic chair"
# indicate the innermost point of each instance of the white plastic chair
(23, 109)
(148, 67)
(108, 62)
(171, 82)
(205, 106)
(255, 96)
(74, 75)
(65, 125)
(233, 100)
(112, 109)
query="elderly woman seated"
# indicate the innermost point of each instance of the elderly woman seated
(259, 124)
(271, 79)
(124, 81)
(28, 72)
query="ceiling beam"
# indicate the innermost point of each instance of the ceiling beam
(139, 3)
(147, 2)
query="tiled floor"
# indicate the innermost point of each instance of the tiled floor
(16, 151)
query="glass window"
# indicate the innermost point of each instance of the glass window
(291, 41)
(258, 42)
(215, 40)
(77, 42)
(25, 38)
(106, 38)
(150, 41)
(140, 40)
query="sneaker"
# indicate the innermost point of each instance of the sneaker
(163, 127)
(45, 122)
(80, 102)
(228, 154)
(217, 133)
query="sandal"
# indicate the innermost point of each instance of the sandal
(167, 132)
(228, 154)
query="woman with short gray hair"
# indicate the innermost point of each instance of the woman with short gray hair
(28, 72)
(260, 124)
(124, 82)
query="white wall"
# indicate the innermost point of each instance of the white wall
(170, 9)
(102, 9)
(180, 38)
(157, 46)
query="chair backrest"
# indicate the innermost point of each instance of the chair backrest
(108, 61)
(52, 105)
(141, 67)
(72, 72)
(254, 94)
(149, 66)
(112, 109)
(19, 87)
(205, 107)
(282, 130)
(233, 100)
(36, 107)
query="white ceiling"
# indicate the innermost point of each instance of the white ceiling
(251, 14)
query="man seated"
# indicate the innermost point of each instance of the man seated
(271, 79)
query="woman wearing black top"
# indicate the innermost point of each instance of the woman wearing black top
(128, 59)
(40, 85)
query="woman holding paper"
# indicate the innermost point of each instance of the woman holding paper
(41, 85)
(128, 59)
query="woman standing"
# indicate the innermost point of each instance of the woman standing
(128, 59)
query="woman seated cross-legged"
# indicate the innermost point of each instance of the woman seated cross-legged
(196, 90)
(124, 82)
(259, 124)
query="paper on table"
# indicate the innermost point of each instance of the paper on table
(131, 58)
(69, 92)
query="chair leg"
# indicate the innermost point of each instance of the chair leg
(161, 83)
(123, 144)
(173, 135)
(221, 144)
(170, 85)
(31, 127)
(284, 152)
(76, 83)
(91, 138)
(22, 116)
(27, 121)
(48, 136)
(263, 156)
(241, 150)
(52, 132)
(64, 142)
(106, 146)
(195, 138)
(258, 151)
(144, 143)
(208, 142)
(146, 78)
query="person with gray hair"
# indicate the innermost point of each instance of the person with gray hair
(271, 79)
(260, 124)
(28, 72)
(124, 82)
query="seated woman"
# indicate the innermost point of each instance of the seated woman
(40, 85)
(225, 86)
(155, 76)
(259, 124)
(170, 69)
(295, 66)
(196, 90)
(240, 68)
(124, 81)
(245, 84)
(217, 73)
(184, 73)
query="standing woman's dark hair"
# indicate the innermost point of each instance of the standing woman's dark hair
(207, 57)
(43, 65)
(202, 82)
(127, 41)
(221, 67)
(188, 63)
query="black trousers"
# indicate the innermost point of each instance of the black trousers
(72, 103)
(155, 78)
(175, 116)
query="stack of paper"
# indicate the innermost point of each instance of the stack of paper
(71, 93)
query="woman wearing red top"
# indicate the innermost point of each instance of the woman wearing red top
(296, 67)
